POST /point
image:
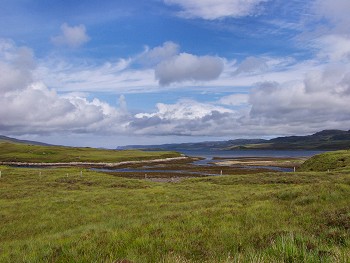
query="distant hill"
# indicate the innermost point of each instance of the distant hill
(13, 140)
(210, 145)
(323, 140)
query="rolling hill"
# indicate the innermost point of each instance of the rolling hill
(323, 140)
(13, 150)
(13, 140)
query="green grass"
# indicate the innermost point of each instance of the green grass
(18, 152)
(272, 217)
(328, 161)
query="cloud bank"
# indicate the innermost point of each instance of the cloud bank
(279, 95)
(28, 106)
(320, 99)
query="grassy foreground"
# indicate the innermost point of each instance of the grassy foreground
(55, 215)
(19, 152)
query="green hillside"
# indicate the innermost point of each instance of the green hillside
(21, 152)
(14, 140)
(328, 161)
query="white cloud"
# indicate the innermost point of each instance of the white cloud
(321, 100)
(15, 66)
(141, 73)
(316, 101)
(216, 9)
(186, 117)
(333, 47)
(184, 109)
(188, 67)
(152, 57)
(108, 77)
(71, 36)
(28, 106)
(336, 11)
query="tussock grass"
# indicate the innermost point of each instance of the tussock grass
(272, 217)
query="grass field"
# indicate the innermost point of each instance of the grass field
(18, 152)
(55, 215)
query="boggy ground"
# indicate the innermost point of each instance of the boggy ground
(63, 215)
(177, 170)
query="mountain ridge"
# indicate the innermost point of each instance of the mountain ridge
(322, 140)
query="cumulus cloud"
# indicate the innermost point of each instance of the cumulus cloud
(188, 67)
(71, 36)
(186, 117)
(171, 66)
(216, 9)
(317, 101)
(29, 106)
(153, 56)
(320, 99)
(184, 109)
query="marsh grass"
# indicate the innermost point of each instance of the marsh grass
(271, 217)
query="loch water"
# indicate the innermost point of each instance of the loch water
(210, 154)
(207, 158)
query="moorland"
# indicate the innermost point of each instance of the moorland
(75, 214)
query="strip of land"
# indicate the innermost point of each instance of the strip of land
(93, 164)
(263, 161)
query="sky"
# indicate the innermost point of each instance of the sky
(119, 72)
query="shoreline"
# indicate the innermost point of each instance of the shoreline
(95, 164)
(283, 162)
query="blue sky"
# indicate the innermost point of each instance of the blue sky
(111, 73)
